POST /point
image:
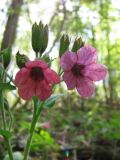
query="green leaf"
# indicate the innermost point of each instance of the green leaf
(64, 44)
(6, 86)
(51, 101)
(6, 53)
(4, 133)
(78, 43)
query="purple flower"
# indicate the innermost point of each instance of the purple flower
(81, 70)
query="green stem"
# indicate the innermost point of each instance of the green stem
(3, 111)
(32, 128)
(5, 72)
(59, 70)
(40, 108)
(9, 148)
(27, 148)
(7, 140)
(11, 120)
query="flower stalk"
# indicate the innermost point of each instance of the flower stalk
(7, 139)
(36, 113)
(9, 148)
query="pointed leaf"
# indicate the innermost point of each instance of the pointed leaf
(51, 101)
(4, 133)
(7, 86)
(6, 53)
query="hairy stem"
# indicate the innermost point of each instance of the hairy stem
(32, 128)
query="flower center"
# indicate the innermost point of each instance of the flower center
(37, 74)
(77, 70)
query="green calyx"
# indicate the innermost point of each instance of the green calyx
(21, 60)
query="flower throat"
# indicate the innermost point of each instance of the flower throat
(37, 74)
(77, 70)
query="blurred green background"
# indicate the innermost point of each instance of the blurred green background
(88, 128)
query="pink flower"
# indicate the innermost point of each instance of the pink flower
(36, 79)
(46, 125)
(81, 70)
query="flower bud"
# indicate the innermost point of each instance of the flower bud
(64, 44)
(44, 39)
(41, 26)
(78, 43)
(36, 38)
(39, 37)
(21, 59)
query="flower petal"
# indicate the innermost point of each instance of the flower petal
(70, 80)
(67, 60)
(86, 55)
(51, 76)
(95, 72)
(21, 77)
(36, 63)
(27, 91)
(85, 87)
(43, 90)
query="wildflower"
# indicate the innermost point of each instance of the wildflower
(81, 70)
(36, 79)
(46, 125)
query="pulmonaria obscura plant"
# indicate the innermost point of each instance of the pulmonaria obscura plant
(35, 79)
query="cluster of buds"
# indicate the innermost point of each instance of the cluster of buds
(39, 38)
(39, 42)
(65, 42)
